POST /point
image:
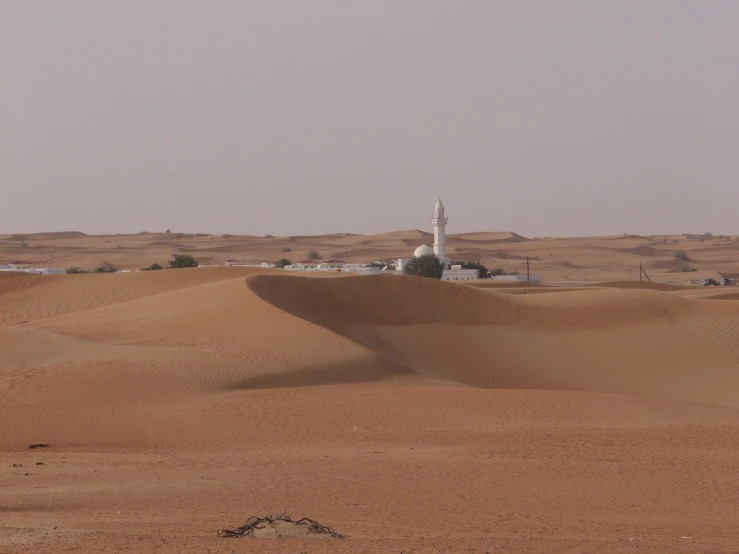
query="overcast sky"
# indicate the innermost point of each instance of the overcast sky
(547, 118)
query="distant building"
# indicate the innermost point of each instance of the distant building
(451, 272)
(456, 273)
(25, 267)
(332, 264)
(20, 265)
(306, 264)
(533, 277)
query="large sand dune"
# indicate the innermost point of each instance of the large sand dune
(406, 413)
(640, 342)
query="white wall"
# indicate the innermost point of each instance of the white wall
(37, 270)
(460, 275)
(534, 277)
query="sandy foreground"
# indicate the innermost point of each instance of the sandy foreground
(409, 414)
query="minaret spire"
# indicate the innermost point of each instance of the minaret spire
(439, 222)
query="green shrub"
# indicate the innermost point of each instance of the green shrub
(425, 266)
(482, 271)
(680, 254)
(106, 268)
(182, 260)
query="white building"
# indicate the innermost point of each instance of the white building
(451, 272)
(332, 264)
(305, 264)
(533, 277)
(456, 273)
(25, 267)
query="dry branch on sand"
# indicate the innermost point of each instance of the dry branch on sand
(254, 524)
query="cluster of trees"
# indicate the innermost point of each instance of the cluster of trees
(311, 255)
(425, 266)
(105, 268)
(177, 261)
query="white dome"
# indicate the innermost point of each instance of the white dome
(423, 250)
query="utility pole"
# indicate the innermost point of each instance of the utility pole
(528, 269)
(642, 271)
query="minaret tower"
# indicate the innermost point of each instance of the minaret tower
(439, 222)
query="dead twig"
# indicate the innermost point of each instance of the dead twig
(254, 523)
(39, 445)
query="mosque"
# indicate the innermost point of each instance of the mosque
(451, 272)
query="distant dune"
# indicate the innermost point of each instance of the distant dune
(588, 259)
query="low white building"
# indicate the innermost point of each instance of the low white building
(456, 273)
(305, 265)
(533, 277)
(332, 264)
(25, 267)
(364, 270)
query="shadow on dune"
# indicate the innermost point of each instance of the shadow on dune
(724, 296)
(335, 374)
(645, 342)
(383, 300)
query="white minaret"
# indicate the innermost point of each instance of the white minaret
(439, 222)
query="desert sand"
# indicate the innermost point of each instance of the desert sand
(411, 415)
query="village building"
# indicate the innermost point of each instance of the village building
(26, 267)
(451, 272)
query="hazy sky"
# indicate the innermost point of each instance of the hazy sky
(546, 118)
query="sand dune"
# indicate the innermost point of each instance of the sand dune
(29, 298)
(644, 285)
(177, 402)
(604, 341)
